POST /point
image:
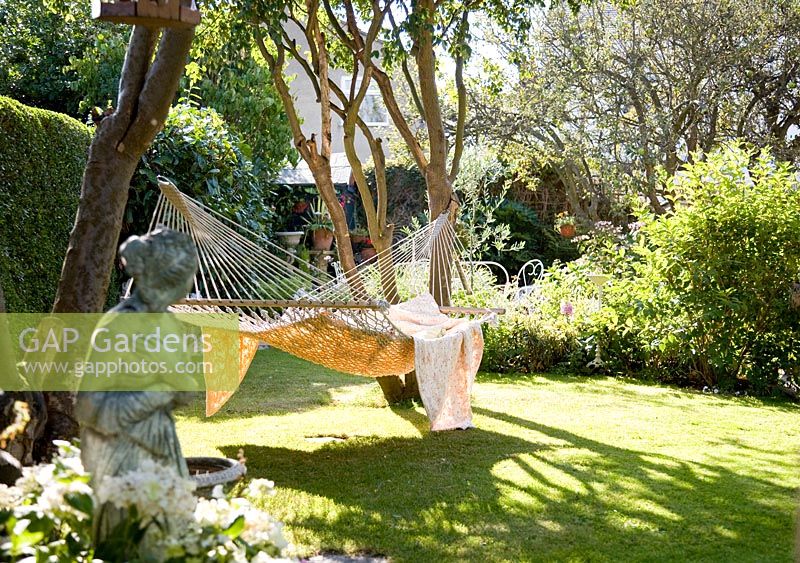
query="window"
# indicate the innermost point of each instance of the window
(372, 110)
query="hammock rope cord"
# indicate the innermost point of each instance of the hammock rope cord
(296, 307)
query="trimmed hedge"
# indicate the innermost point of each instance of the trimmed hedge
(42, 157)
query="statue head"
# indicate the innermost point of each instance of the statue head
(163, 264)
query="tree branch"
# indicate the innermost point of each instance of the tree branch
(462, 112)
(385, 85)
(164, 76)
(324, 84)
(412, 87)
(291, 46)
(134, 71)
(275, 64)
(429, 93)
(336, 27)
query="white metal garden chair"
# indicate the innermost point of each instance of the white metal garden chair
(528, 278)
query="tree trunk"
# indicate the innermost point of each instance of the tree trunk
(146, 93)
(320, 169)
(440, 197)
(437, 179)
(396, 389)
(386, 267)
(147, 88)
(93, 242)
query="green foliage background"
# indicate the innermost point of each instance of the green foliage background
(708, 287)
(37, 46)
(206, 161)
(701, 296)
(54, 56)
(42, 156)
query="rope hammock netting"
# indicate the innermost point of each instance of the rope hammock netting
(340, 322)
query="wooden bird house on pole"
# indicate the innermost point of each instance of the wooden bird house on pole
(152, 13)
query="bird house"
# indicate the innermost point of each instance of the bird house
(152, 13)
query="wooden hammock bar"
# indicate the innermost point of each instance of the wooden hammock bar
(283, 304)
(307, 304)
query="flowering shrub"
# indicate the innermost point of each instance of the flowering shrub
(48, 516)
(153, 490)
(719, 270)
(524, 343)
(702, 295)
(542, 329)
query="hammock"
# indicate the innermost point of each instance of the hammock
(294, 306)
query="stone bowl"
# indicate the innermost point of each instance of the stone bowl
(208, 472)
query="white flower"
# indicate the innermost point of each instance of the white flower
(35, 479)
(188, 529)
(212, 512)
(259, 488)
(154, 489)
(73, 464)
(9, 496)
(48, 484)
(51, 500)
(259, 527)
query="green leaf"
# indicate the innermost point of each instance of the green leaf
(81, 502)
(236, 528)
(29, 532)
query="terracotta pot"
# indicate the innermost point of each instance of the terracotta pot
(567, 230)
(357, 239)
(369, 252)
(322, 239)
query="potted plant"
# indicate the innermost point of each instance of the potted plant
(565, 224)
(320, 226)
(358, 236)
(367, 250)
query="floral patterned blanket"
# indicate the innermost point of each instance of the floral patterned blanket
(447, 355)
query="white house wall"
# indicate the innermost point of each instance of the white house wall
(309, 110)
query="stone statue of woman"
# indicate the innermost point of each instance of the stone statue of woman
(121, 429)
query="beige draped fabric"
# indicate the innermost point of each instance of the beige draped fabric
(447, 355)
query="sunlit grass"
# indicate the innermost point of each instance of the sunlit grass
(559, 468)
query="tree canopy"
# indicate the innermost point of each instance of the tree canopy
(54, 56)
(610, 96)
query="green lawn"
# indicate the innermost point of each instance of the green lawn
(559, 468)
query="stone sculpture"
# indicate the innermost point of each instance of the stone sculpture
(121, 429)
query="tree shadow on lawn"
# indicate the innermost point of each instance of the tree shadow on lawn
(278, 383)
(479, 495)
(657, 393)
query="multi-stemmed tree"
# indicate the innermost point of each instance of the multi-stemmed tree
(397, 45)
(415, 37)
